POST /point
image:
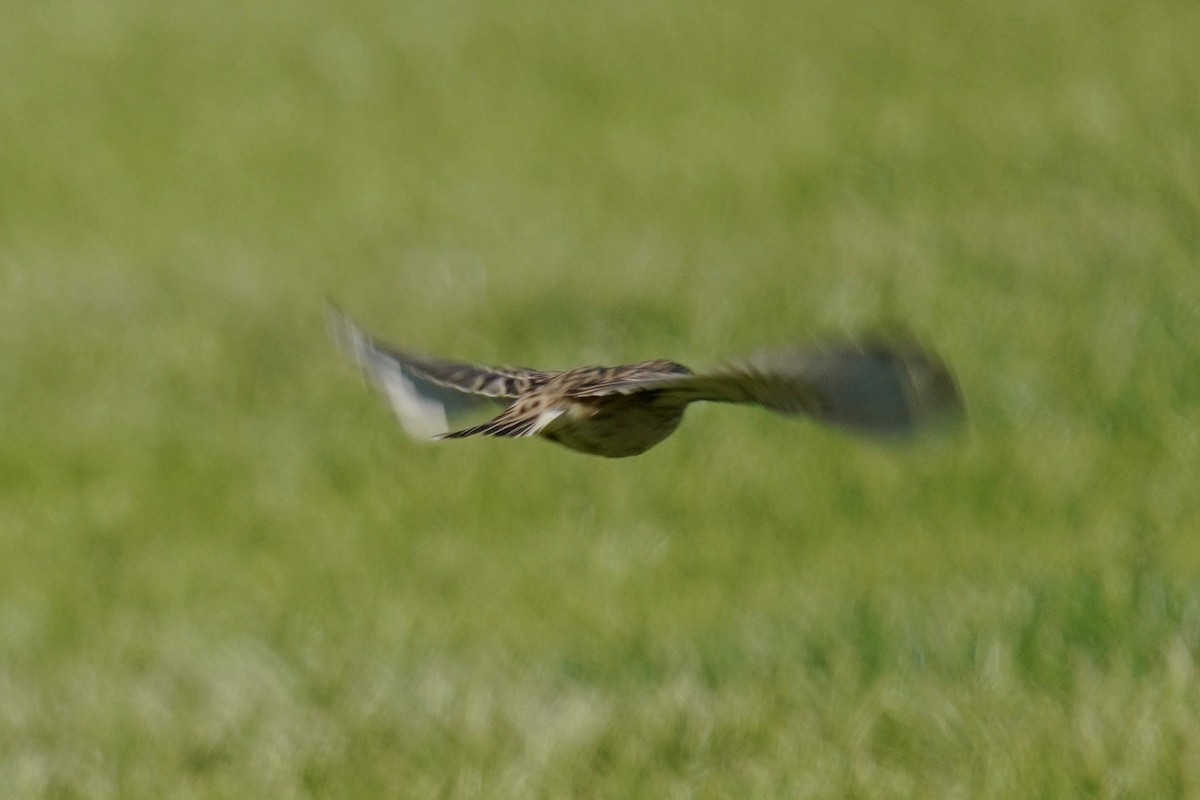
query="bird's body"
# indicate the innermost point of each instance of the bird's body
(573, 409)
(875, 388)
(615, 427)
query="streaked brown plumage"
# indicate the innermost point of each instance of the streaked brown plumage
(874, 387)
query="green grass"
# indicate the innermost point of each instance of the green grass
(225, 573)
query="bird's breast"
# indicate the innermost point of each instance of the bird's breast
(614, 426)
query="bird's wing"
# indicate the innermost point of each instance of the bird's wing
(628, 379)
(877, 387)
(429, 394)
(514, 422)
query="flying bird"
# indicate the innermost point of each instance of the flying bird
(872, 386)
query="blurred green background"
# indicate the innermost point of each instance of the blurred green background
(225, 572)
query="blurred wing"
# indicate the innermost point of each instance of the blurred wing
(875, 388)
(428, 395)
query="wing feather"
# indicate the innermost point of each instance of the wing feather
(625, 380)
(428, 394)
(511, 423)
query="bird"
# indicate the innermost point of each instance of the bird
(876, 386)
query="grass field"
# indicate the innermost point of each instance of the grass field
(225, 573)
